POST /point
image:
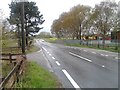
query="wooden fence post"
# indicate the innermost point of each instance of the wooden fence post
(10, 57)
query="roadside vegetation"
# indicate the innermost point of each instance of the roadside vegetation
(51, 40)
(37, 77)
(32, 49)
(111, 48)
(108, 48)
(83, 22)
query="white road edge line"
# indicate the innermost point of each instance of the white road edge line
(106, 55)
(80, 57)
(53, 58)
(40, 50)
(58, 63)
(75, 85)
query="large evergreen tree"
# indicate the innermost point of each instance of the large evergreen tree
(32, 17)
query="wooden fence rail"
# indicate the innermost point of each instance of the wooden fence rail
(14, 75)
(11, 50)
(9, 57)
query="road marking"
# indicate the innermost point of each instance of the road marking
(94, 52)
(102, 54)
(53, 58)
(57, 63)
(44, 49)
(80, 57)
(50, 54)
(103, 66)
(85, 50)
(106, 55)
(48, 63)
(117, 58)
(40, 50)
(75, 85)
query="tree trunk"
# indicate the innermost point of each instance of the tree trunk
(19, 38)
(103, 40)
(26, 37)
(77, 35)
(73, 36)
(80, 32)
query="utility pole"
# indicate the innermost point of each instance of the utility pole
(22, 27)
(22, 24)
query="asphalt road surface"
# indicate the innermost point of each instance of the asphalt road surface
(80, 67)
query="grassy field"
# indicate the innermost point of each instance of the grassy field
(9, 43)
(112, 49)
(37, 77)
(51, 40)
(6, 68)
(6, 43)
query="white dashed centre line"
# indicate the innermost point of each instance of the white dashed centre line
(75, 85)
(50, 54)
(102, 54)
(53, 58)
(106, 55)
(57, 63)
(94, 52)
(85, 50)
(103, 66)
(80, 57)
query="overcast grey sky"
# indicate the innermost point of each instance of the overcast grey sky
(51, 9)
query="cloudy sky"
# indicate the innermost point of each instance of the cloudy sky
(51, 9)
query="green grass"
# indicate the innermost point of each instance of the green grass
(6, 68)
(9, 43)
(37, 77)
(51, 40)
(33, 49)
(111, 48)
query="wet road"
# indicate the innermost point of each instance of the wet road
(81, 67)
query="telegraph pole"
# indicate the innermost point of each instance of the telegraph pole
(22, 23)
(22, 27)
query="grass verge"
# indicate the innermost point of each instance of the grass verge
(33, 48)
(51, 40)
(112, 49)
(37, 77)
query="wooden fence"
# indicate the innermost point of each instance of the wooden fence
(14, 74)
(9, 57)
(11, 50)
